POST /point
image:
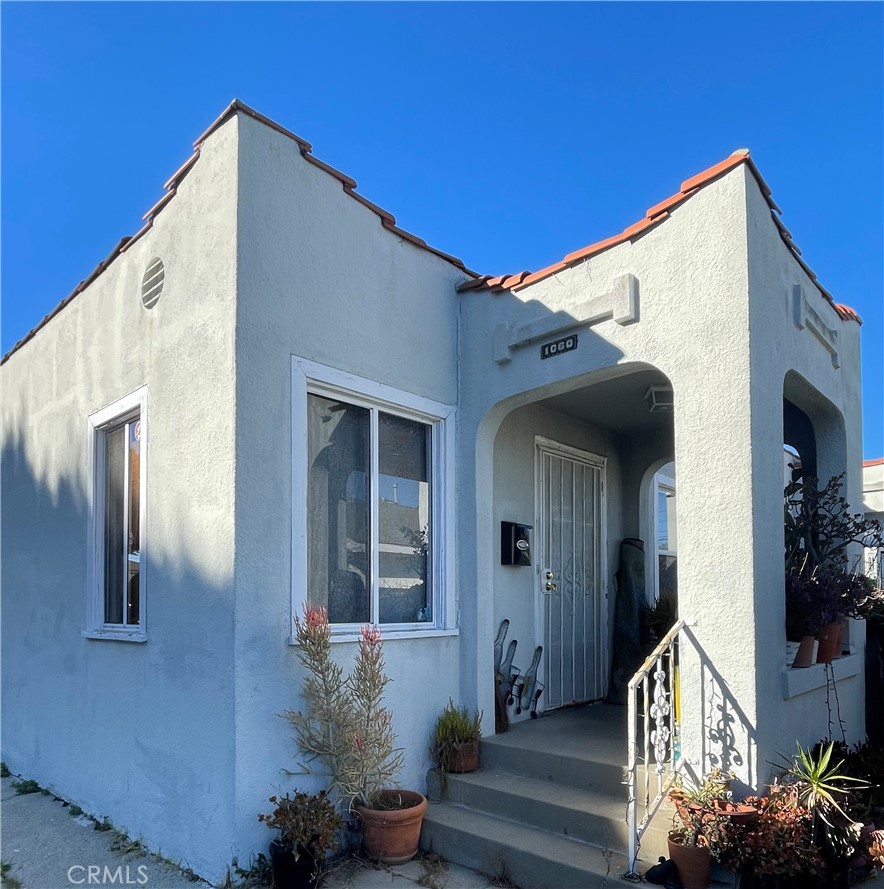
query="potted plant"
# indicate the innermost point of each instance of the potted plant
(455, 743)
(689, 849)
(309, 828)
(773, 851)
(709, 799)
(347, 730)
(821, 585)
(809, 607)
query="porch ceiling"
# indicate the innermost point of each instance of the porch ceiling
(618, 404)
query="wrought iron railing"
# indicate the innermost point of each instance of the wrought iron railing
(653, 704)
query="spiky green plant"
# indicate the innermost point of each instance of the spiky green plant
(454, 726)
(822, 782)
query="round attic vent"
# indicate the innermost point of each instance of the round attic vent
(152, 283)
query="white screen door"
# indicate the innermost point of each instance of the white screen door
(570, 489)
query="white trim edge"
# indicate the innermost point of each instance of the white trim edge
(310, 375)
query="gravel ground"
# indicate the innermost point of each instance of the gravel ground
(42, 842)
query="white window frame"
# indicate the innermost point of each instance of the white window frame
(664, 483)
(100, 423)
(309, 377)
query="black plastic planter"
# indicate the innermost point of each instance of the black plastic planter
(290, 872)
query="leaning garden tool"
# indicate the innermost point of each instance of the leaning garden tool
(530, 681)
(498, 643)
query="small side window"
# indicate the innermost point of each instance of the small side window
(115, 605)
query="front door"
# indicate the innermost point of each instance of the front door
(571, 600)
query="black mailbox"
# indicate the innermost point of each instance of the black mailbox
(515, 546)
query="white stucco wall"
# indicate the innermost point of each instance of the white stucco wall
(694, 325)
(267, 257)
(873, 489)
(140, 733)
(320, 278)
(831, 398)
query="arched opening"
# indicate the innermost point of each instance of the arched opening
(814, 452)
(814, 428)
(571, 464)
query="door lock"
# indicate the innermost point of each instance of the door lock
(551, 586)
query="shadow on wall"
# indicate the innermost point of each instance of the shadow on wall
(729, 740)
(139, 733)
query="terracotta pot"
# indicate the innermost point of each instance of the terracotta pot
(830, 637)
(736, 812)
(693, 863)
(804, 656)
(290, 872)
(391, 835)
(842, 637)
(462, 758)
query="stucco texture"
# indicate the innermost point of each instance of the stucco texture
(713, 280)
(140, 733)
(179, 739)
(319, 278)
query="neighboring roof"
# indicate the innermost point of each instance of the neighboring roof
(653, 217)
(171, 186)
(878, 462)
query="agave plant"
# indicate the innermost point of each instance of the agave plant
(823, 787)
(822, 782)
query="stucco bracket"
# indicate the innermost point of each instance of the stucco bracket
(805, 316)
(620, 304)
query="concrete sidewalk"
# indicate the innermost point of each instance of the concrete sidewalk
(44, 843)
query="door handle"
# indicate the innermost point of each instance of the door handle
(550, 586)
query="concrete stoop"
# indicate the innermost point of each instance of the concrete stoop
(546, 810)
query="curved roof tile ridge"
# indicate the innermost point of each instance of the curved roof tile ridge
(653, 216)
(171, 188)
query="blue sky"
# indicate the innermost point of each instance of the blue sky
(507, 134)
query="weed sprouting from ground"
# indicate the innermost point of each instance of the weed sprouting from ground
(121, 842)
(503, 880)
(29, 786)
(258, 873)
(8, 881)
(432, 871)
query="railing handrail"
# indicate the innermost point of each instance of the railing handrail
(651, 659)
(664, 741)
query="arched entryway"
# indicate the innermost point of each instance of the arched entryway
(571, 465)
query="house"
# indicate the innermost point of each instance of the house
(273, 392)
(873, 505)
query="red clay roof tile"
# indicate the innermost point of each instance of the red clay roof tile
(389, 217)
(171, 184)
(591, 249)
(654, 215)
(237, 106)
(877, 462)
(669, 203)
(348, 183)
(715, 171)
(182, 171)
(847, 313)
(160, 204)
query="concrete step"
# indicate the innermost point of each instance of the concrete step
(524, 855)
(587, 815)
(547, 806)
(586, 767)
